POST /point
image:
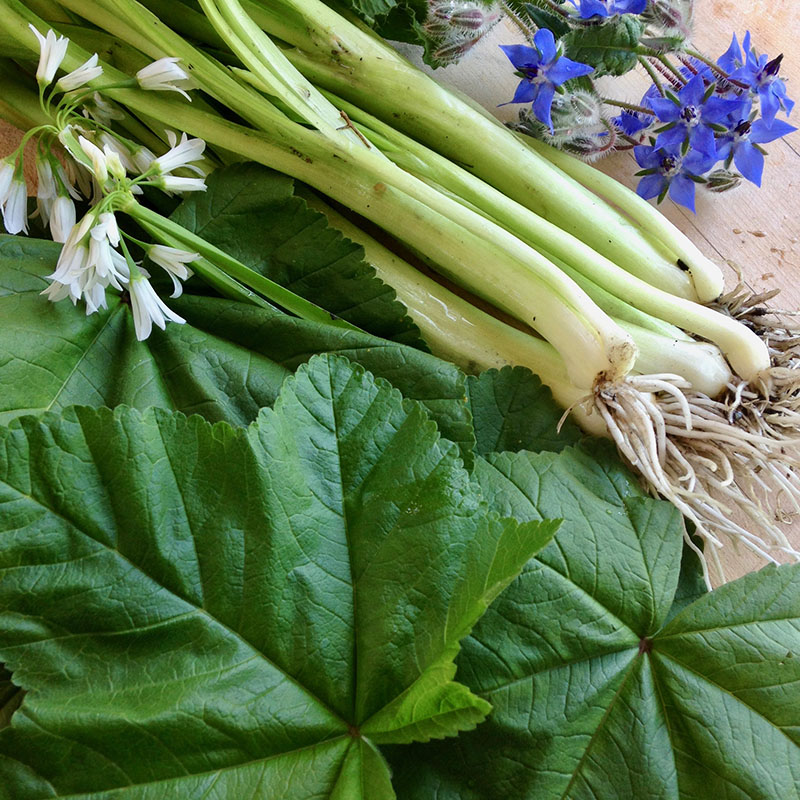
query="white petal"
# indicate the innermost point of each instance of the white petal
(174, 184)
(62, 218)
(15, 210)
(97, 157)
(86, 72)
(148, 308)
(6, 178)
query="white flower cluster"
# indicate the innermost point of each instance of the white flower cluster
(110, 170)
(90, 261)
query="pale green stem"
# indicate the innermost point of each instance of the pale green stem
(456, 330)
(461, 242)
(580, 262)
(342, 61)
(706, 275)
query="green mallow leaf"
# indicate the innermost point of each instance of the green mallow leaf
(513, 410)
(593, 695)
(226, 363)
(251, 213)
(610, 48)
(199, 610)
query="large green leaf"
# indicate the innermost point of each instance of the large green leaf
(593, 695)
(513, 410)
(611, 48)
(252, 214)
(209, 611)
(226, 363)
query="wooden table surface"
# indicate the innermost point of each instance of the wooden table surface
(756, 229)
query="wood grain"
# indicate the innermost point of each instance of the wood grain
(757, 230)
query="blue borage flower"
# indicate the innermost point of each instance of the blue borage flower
(542, 69)
(690, 114)
(608, 8)
(670, 172)
(739, 145)
(760, 74)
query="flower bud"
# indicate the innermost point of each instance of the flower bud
(578, 109)
(453, 52)
(722, 180)
(673, 16)
(472, 19)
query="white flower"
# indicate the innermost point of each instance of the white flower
(15, 207)
(86, 72)
(181, 153)
(51, 53)
(75, 175)
(148, 308)
(165, 75)
(62, 218)
(7, 168)
(174, 261)
(171, 183)
(88, 263)
(46, 188)
(74, 254)
(114, 163)
(97, 157)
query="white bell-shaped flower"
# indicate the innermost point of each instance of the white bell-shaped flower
(52, 50)
(148, 308)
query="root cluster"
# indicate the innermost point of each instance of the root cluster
(730, 464)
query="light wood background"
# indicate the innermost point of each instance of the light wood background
(758, 230)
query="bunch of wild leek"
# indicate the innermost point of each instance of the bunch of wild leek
(700, 123)
(616, 297)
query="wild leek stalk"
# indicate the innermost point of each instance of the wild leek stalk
(708, 432)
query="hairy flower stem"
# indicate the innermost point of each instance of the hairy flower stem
(628, 106)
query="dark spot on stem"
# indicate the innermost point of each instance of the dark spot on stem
(645, 646)
(682, 265)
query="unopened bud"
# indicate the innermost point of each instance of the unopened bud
(442, 11)
(450, 53)
(590, 146)
(722, 180)
(472, 19)
(577, 109)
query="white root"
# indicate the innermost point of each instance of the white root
(711, 458)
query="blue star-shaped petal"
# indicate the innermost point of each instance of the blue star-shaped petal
(670, 172)
(739, 145)
(542, 70)
(760, 74)
(690, 114)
